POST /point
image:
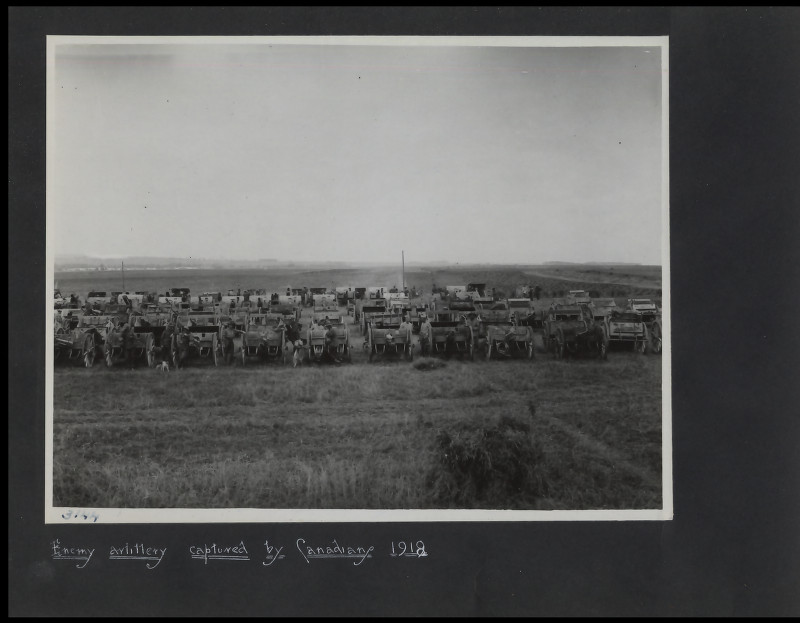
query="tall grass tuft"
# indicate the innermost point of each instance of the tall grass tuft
(424, 364)
(489, 465)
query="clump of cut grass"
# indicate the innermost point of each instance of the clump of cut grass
(482, 465)
(424, 364)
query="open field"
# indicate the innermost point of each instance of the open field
(358, 436)
(546, 434)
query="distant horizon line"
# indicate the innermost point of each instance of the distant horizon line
(84, 259)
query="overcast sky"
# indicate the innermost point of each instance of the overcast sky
(352, 153)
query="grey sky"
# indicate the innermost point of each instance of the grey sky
(352, 153)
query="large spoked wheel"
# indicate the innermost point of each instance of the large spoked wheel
(214, 349)
(656, 340)
(150, 350)
(176, 355)
(88, 351)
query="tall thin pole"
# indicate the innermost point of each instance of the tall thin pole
(403, 256)
(123, 275)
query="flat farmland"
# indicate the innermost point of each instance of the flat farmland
(543, 435)
(357, 436)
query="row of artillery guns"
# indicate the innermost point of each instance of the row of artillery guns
(489, 328)
(580, 326)
(114, 334)
(153, 334)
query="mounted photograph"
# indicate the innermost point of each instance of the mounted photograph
(357, 279)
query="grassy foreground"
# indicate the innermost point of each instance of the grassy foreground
(541, 435)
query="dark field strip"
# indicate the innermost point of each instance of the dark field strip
(354, 436)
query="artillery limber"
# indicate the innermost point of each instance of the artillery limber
(453, 311)
(132, 300)
(370, 308)
(329, 341)
(264, 339)
(494, 312)
(577, 297)
(628, 328)
(311, 293)
(196, 337)
(451, 338)
(456, 293)
(98, 297)
(479, 294)
(233, 299)
(388, 337)
(651, 316)
(83, 340)
(522, 313)
(345, 294)
(325, 303)
(572, 330)
(206, 301)
(175, 296)
(506, 340)
(398, 302)
(288, 306)
(603, 308)
(376, 292)
(414, 314)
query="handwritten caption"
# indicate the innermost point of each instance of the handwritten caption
(152, 555)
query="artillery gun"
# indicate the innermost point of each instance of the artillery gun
(318, 344)
(196, 337)
(572, 330)
(450, 337)
(144, 331)
(504, 339)
(388, 336)
(264, 338)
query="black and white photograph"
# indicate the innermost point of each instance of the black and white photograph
(358, 279)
